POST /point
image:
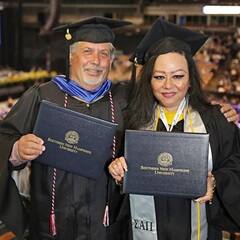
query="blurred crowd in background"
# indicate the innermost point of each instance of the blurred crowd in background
(218, 62)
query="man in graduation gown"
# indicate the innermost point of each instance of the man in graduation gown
(65, 205)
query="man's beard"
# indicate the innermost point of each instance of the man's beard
(95, 80)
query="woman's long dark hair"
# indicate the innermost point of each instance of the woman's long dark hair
(141, 106)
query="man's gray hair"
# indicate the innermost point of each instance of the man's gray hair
(112, 49)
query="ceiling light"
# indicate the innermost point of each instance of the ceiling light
(220, 9)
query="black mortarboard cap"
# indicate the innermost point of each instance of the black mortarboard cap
(162, 29)
(94, 29)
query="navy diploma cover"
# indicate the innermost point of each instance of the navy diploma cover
(74, 142)
(166, 163)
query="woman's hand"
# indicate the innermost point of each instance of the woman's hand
(229, 112)
(211, 184)
(117, 168)
(30, 147)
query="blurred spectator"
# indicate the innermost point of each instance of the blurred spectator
(5, 107)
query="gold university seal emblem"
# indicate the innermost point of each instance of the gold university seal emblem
(165, 159)
(72, 137)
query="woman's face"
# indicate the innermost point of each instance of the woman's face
(170, 80)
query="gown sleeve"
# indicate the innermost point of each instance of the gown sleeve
(225, 144)
(18, 122)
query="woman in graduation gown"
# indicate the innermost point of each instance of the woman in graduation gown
(168, 97)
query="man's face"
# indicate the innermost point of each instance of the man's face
(90, 63)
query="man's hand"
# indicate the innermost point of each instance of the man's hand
(30, 147)
(229, 112)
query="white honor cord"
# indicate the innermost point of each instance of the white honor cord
(176, 117)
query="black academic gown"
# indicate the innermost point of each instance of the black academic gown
(173, 214)
(80, 202)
